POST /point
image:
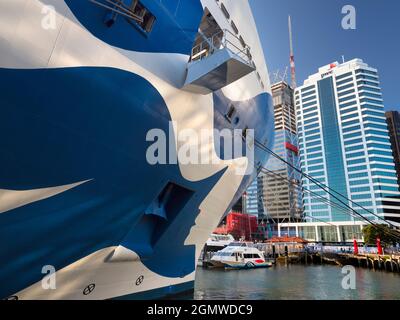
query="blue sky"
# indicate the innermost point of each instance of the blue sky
(319, 38)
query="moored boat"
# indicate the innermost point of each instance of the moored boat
(240, 255)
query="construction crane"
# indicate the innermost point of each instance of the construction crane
(279, 76)
(292, 64)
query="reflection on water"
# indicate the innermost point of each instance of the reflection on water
(294, 282)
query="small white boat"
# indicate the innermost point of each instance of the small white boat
(215, 243)
(240, 255)
(218, 242)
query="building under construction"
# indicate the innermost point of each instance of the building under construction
(278, 190)
(393, 122)
(279, 187)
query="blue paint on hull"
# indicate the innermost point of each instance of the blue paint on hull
(174, 31)
(61, 126)
(72, 125)
(186, 289)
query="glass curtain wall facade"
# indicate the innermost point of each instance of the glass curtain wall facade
(393, 121)
(344, 143)
(251, 199)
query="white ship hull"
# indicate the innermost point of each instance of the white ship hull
(76, 104)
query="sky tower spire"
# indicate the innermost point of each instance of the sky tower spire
(292, 64)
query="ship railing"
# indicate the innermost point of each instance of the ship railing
(118, 7)
(220, 40)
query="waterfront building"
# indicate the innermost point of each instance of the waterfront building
(333, 232)
(239, 225)
(280, 198)
(344, 143)
(393, 122)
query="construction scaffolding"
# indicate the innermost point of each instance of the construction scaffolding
(282, 202)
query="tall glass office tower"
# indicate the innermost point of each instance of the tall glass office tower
(344, 143)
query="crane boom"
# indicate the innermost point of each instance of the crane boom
(292, 64)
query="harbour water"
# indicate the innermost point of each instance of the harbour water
(294, 282)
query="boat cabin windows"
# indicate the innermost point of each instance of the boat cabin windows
(251, 256)
(225, 254)
(238, 244)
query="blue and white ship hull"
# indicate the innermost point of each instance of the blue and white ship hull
(77, 101)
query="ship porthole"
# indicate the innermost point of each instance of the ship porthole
(89, 289)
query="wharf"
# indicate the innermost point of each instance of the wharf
(390, 263)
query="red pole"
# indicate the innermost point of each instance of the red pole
(378, 244)
(355, 247)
